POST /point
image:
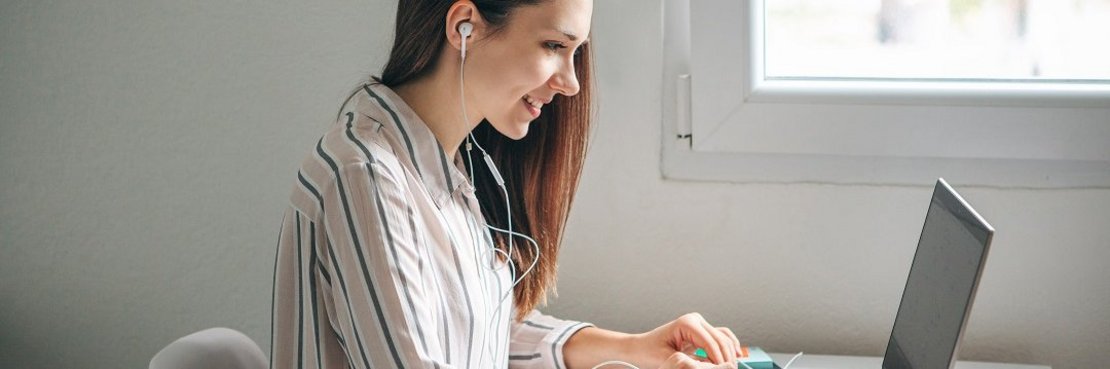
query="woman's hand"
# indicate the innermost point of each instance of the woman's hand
(672, 344)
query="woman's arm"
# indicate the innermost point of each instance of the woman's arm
(591, 346)
(371, 256)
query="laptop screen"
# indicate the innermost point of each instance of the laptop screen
(941, 285)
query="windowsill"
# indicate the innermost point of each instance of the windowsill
(933, 92)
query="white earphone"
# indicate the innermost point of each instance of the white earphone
(465, 29)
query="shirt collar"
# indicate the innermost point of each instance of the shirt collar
(416, 145)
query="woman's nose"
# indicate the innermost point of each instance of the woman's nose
(565, 81)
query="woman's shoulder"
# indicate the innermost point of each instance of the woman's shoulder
(350, 154)
(354, 141)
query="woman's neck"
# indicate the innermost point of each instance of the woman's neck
(435, 99)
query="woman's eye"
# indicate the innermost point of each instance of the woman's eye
(555, 46)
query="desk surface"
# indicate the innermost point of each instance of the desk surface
(870, 362)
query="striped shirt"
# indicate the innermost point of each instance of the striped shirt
(380, 257)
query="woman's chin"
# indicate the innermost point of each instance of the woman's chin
(515, 131)
(520, 132)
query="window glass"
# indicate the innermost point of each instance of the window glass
(938, 39)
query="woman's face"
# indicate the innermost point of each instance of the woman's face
(533, 56)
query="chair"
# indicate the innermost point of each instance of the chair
(214, 348)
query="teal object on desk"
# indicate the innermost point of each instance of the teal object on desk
(757, 359)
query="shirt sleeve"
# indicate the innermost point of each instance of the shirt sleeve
(537, 341)
(383, 311)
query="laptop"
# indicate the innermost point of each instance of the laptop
(941, 285)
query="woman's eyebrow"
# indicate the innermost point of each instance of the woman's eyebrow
(570, 35)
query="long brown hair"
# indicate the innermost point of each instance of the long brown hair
(541, 171)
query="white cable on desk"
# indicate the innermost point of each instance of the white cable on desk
(792, 360)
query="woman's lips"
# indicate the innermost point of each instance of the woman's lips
(531, 109)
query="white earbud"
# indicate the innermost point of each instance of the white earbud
(465, 28)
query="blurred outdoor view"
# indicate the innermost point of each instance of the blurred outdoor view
(938, 39)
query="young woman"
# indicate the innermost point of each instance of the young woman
(396, 249)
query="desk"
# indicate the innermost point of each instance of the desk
(808, 361)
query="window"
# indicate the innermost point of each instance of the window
(981, 92)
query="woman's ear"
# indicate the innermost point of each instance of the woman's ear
(463, 11)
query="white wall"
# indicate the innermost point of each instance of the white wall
(147, 149)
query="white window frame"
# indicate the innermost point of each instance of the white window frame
(723, 122)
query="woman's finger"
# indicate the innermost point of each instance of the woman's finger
(728, 349)
(733, 337)
(702, 337)
(680, 360)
